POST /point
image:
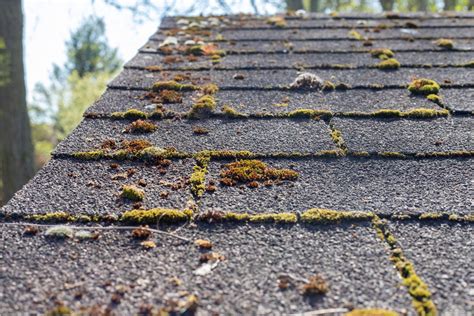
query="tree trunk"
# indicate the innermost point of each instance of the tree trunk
(314, 6)
(293, 5)
(16, 149)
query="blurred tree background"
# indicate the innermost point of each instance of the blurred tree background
(30, 132)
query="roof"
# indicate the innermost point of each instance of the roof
(320, 180)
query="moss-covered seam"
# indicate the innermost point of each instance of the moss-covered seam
(417, 288)
(318, 215)
(153, 216)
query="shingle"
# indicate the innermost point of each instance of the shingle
(93, 187)
(442, 255)
(255, 135)
(384, 186)
(320, 60)
(131, 78)
(245, 282)
(334, 34)
(407, 136)
(328, 46)
(249, 102)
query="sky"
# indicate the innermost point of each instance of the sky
(48, 24)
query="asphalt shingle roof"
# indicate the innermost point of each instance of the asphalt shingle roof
(362, 183)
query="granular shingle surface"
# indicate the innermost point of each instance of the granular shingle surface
(346, 179)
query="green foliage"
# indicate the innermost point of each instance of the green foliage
(4, 63)
(57, 108)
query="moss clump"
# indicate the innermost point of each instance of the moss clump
(227, 154)
(414, 113)
(152, 216)
(371, 312)
(391, 154)
(435, 99)
(382, 53)
(337, 138)
(417, 289)
(209, 88)
(52, 217)
(238, 217)
(132, 193)
(388, 64)
(277, 21)
(469, 64)
(356, 35)
(424, 86)
(274, 218)
(203, 107)
(308, 113)
(203, 243)
(198, 180)
(328, 86)
(431, 216)
(316, 285)
(199, 130)
(60, 310)
(230, 112)
(173, 85)
(196, 50)
(130, 114)
(317, 215)
(169, 96)
(141, 126)
(251, 171)
(445, 43)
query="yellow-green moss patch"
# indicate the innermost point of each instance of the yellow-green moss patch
(356, 35)
(130, 114)
(132, 193)
(389, 64)
(230, 112)
(445, 43)
(424, 86)
(253, 172)
(277, 21)
(173, 85)
(371, 312)
(317, 215)
(382, 53)
(153, 216)
(141, 126)
(274, 218)
(203, 107)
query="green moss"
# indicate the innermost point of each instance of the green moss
(132, 193)
(130, 114)
(251, 172)
(360, 154)
(209, 88)
(445, 43)
(198, 180)
(382, 53)
(317, 215)
(274, 218)
(153, 216)
(414, 113)
(89, 155)
(424, 86)
(277, 21)
(371, 312)
(337, 138)
(52, 217)
(417, 289)
(227, 154)
(356, 35)
(391, 154)
(203, 107)
(230, 112)
(280, 104)
(388, 64)
(141, 126)
(60, 310)
(431, 216)
(238, 217)
(173, 85)
(469, 64)
(308, 113)
(196, 50)
(328, 86)
(452, 153)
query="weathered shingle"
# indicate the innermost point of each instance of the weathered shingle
(353, 180)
